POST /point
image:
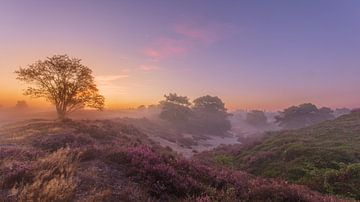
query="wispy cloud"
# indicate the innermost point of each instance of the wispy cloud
(110, 78)
(107, 84)
(149, 68)
(166, 47)
(197, 33)
(186, 36)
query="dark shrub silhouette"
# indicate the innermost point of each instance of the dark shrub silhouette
(211, 115)
(303, 115)
(175, 109)
(256, 118)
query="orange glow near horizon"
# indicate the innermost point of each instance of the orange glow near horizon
(248, 63)
(9, 99)
(132, 88)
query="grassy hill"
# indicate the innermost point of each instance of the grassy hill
(325, 157)
(106, 160)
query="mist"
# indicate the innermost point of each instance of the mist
(179, 101)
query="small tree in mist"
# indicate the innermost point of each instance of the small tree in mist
(210, 113)
(21, 104)
(175, 108)
(64, 82)
(207, 114)
(256, 118)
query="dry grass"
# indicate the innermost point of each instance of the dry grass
(55, 179)
(108, 161)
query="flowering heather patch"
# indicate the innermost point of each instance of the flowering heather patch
(275, 190)
(146, 165)
(179, 178)
(54, 142)
(64, 164)
(19, 153)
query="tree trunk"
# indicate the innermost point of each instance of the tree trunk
(61, 114)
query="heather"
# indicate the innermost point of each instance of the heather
(324, 157)
(110, 161)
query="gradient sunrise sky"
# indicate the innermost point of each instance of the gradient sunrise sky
(252, 54)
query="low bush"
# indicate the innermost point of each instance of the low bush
(54, 142)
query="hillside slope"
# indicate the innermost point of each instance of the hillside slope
(325, 157)
(108, 161)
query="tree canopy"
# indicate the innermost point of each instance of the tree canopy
(303, 115)
(211, 115)
(256, 118)
(64, 82)
(175, 108)
(210, 104)
(207, 114)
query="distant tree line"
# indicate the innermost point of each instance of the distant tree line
(303, 115)
(70, 86)
(206, 114)
(295, 117)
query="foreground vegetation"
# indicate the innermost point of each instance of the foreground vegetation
(111, 161)
(324, 157)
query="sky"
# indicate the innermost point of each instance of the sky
(253, 54)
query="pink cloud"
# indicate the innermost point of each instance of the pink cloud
(205, 33)
(189, 35)
(194, 32)
(166, 47)
(149, 68)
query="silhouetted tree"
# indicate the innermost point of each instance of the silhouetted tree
(64, 82)
(175, 108)
(256, 118)
(21, 104)
(303, 115)
(210, 113)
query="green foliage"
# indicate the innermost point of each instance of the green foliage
(345, 180)
(225, 160)
(325, 157)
